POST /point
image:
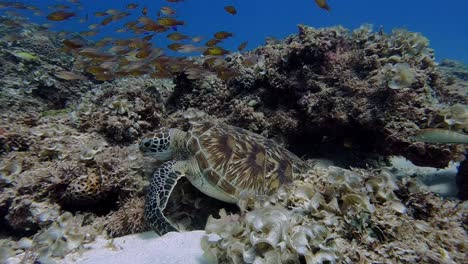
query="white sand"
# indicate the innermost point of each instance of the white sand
(441, 181)
(144, 248)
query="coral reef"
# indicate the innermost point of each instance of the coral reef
(335, 215)
(364, 89)
(70, 168)
(120, 113)
(456, 75)
(31, 56)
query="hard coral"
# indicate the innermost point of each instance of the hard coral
(123, 117)
(64, 235)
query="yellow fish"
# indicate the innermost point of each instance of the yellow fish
(26, 56)
(215, 51)
(60, 15)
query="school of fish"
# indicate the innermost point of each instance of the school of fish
(110, 58)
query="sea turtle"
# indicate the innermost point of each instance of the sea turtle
(221, 161)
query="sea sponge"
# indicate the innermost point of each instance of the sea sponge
(85, 189)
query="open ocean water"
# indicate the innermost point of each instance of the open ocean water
(444, 24)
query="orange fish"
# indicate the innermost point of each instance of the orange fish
(120, 16)
(103, 77)
(150, 25)
(103, 42)
(132, 6)
(169, 22)
(69, 76)
(323, 4)
(222, 35)
(59, 7)
(60, 15)
(131, 24)
(106, 21)
(74, 43)
(176, 36)
(161, 75)
(89, 33)
(242, 46)
(231, 10)
(144, 11)
(94, 53)
(95, 70)
(174, 46)
(143, 53)
(100, 14)
(148, 38)
(212, 42)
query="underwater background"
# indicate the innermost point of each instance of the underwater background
(444, 24)
(372, 96)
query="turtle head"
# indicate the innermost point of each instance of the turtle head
(162, 145)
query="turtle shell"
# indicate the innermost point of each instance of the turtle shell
(234, 159)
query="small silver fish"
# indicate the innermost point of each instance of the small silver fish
(436, 135)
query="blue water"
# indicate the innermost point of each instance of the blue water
(445, 23)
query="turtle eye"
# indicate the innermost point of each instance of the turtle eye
(147, 144)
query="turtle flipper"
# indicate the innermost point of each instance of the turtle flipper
(162, 183)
